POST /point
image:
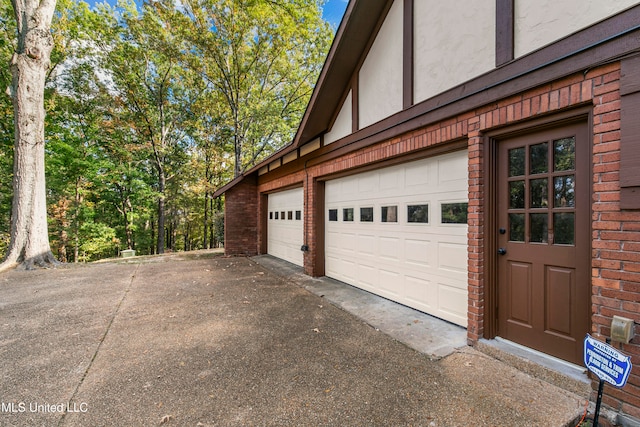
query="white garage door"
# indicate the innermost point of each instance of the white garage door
(401, 232)
(285, 226)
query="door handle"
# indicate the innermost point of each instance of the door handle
(502, 251)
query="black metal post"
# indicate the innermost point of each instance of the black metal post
(598, 403)
(596, 416)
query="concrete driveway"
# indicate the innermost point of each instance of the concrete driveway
(202, 340)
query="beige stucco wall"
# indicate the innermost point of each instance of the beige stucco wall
(540, 22)
(380, 79)
(343, 125)
(454, 41)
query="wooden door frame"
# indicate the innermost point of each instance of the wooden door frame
(583, 114)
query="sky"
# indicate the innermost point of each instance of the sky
(332, 12)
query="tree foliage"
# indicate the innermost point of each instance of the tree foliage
(151, 107)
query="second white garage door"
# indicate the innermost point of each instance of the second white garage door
(285, 226)
(401, 232)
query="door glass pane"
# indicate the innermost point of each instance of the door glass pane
(564, 154)
(454, 213)
(563, 224)
(539, 196)
(516, 162)
(564, 191)
(333, 215)
(347, 214)
(539, 228)
(516, 227)
(366, 214)
(418, 213)
(389, 214)
(516, 195)
(538, 158)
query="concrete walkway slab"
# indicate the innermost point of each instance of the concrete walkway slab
(418, 330)
(204, 340)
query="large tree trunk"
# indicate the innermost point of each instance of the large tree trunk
(29, 231)
(161, 215)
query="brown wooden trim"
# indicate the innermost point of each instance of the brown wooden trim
(490, 279)
(504, 31)
(630, 140)
(581, 114)
(630, 75)
(407, 55)
(355, 103)
(630, 197)
(630, 133)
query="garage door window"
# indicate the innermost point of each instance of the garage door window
(298, 215)
(454, 213)
(290, 215)
(333, 215)
(347, 214)
(389, 214)
(418, 213)
(366, 214)
(276, 215)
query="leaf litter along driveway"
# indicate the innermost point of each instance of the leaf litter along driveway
(204, 340)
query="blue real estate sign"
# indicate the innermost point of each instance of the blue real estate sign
(606, 362)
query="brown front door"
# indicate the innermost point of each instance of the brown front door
(543, 239)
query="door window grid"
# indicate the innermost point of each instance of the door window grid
(542, 199)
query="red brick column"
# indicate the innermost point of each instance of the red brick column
(241, 218)
(475, 262)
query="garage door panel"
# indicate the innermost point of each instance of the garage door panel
(285, 233)
(388, 284)
(390, 179)
(367, 185)
(452, 302)
(419, 252)
(453, 257)
(417, 175)
(451, 172)
(367, 244)
(420, 292)
(422, 264)
(368, 275)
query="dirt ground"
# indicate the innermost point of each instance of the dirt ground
(199, 339)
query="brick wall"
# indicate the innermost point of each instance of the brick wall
(241, 218)
(616, 233)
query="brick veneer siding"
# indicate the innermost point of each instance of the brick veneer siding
(616, 233)
(241, 218)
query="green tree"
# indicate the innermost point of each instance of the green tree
(29, 238)
(262, 57)
(153, 94)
